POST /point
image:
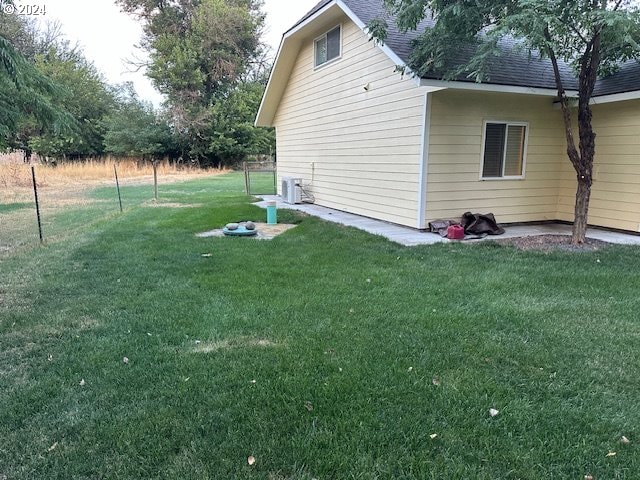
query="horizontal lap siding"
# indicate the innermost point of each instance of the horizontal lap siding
(615, 195)
(355, 150)
(455, 151)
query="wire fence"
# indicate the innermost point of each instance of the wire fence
(260, 178)
(43, 203)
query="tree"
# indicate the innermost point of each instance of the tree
(203, 58)
(593, 36)
(25, 93)
(134, 129)
(232, 133)
(84, 94)
(52, 99)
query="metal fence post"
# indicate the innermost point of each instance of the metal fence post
(35, 192)
(155, 180)
(115, 170)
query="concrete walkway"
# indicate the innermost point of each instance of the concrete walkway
(411, 237)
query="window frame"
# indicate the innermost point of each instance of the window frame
(507, 123)
(325, 36)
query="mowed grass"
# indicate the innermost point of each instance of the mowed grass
(326, 353)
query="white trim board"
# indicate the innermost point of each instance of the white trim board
(424, 163)
(616, 97)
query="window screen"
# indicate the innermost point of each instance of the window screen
(503, 150)
(333, 44)
(514, 154)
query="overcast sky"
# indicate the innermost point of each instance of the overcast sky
(109, 37)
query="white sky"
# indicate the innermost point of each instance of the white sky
(109, 37)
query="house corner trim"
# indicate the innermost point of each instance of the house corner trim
(424, 163)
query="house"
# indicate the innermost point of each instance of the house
(368, 140)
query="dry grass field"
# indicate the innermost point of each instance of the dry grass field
(15, 174)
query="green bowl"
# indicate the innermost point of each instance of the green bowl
(240, 232)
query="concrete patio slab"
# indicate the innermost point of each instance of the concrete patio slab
(411, 237)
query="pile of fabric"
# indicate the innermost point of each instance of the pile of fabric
(475, 225)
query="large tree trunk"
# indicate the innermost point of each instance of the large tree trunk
(583, 195)
(584, 170)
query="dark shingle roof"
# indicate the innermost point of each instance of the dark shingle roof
(514, 66)
(627, 79)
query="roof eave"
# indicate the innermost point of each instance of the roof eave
(493, 87)
(616, 97)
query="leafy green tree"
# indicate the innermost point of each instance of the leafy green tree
(232, 133)
(203, 58)
(54, 99)
(593, 36)
(27, 97)
(134, 129)
(85, 95)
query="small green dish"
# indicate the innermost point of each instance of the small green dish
(240, 232)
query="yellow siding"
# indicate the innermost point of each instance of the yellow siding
(615, 197)
(454, 185)
(356, 150)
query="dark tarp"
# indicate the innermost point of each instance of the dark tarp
(476, 225)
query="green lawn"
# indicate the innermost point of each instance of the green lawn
(316, 352)
(12, 207)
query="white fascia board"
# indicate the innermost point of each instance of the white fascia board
(616, 97)
(488, 87)
(257, 123)
(390, 53)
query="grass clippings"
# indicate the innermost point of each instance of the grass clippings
(154, 204)
(233, 343)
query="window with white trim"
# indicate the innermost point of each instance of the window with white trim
(504, 151)
(328, 46)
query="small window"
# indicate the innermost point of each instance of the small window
(327, 47)
(504, 150)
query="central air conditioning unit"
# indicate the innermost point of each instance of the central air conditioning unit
(292, 190)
